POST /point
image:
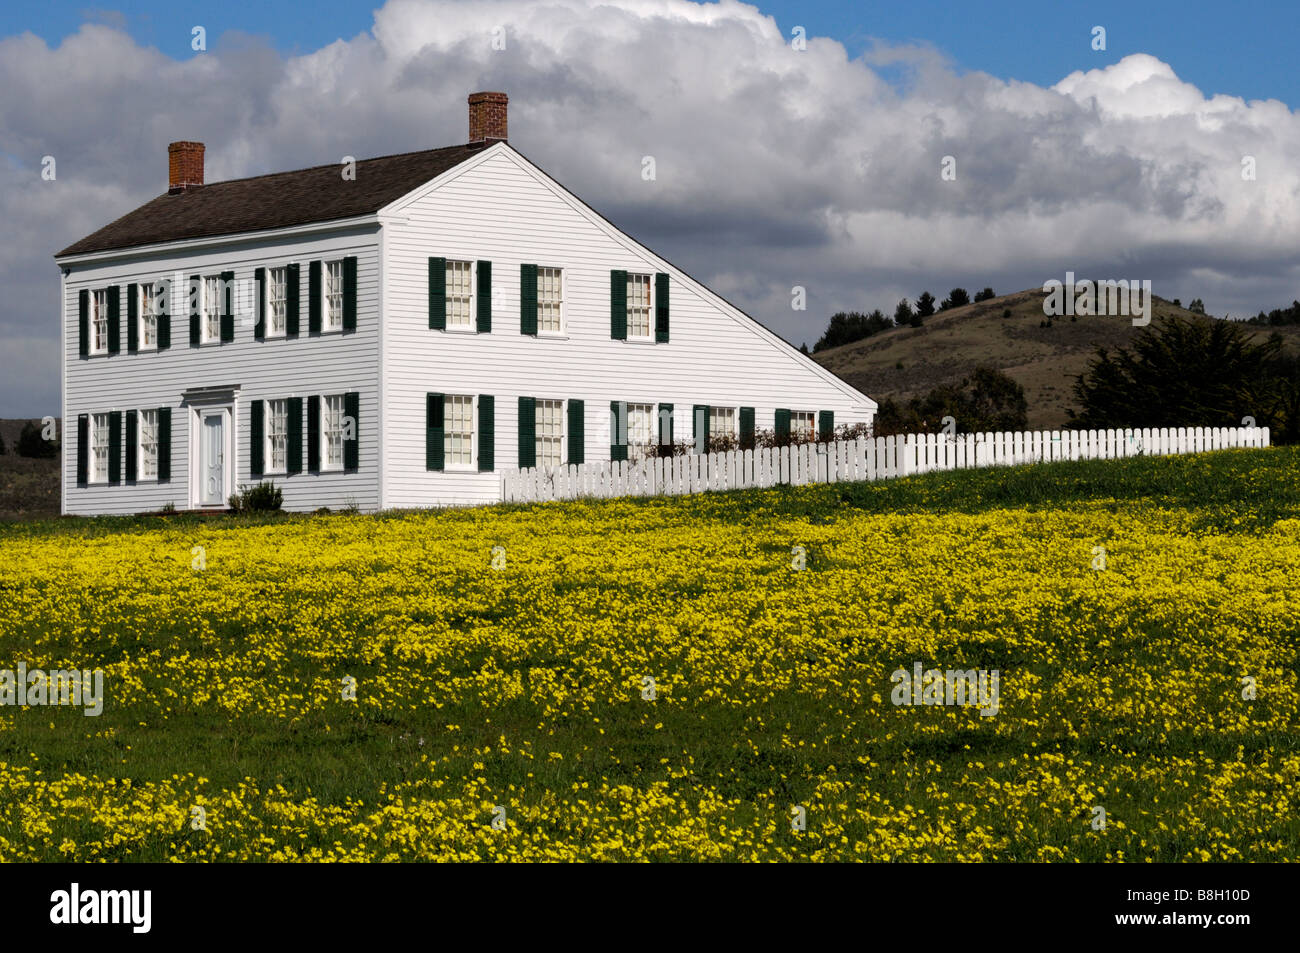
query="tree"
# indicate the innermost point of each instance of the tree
(986, 400)
(803, 348)
(849, 326)
(957, 298)
(903, 314)
(925, 305)
(31, 444)
(985, 295)
(1184, 373)
(1197, 305)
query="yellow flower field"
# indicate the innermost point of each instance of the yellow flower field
(509, 713)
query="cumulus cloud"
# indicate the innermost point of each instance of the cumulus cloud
(775, 167)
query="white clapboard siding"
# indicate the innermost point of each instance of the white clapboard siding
(308, 365)
(504, 210)
(863, 459)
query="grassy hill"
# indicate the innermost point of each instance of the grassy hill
(907, 362)
(655, 678)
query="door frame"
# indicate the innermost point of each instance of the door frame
(206, 402)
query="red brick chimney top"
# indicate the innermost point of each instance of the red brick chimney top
(487, 117)
(184, 166)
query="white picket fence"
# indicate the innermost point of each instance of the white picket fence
(863, 459)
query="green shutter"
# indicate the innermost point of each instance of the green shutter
(617, 429)
(292, 293)
(782, 422)
(352, 445)
(313, 297)
(132, 320)
(164, 444)
(114, 319)
(661, 307)
(700, 427)
(259, 329)
(528, 299)
(483, 297)
(227, 293)
(256, 436)
(83, 441)
(293, 445)
(83, 325)
(115, 447)
(618, 305)
(163, 314)
(487, 432)
(433, 431)
(527, 432)
(132, 443)
(826, 426)
(313, 434)
(577, 432)
(350, 293)
(746, 428)
(666, 429)
(196, 304)
(438, 294)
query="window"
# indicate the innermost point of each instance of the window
(458, 431)
(332, 432)
(99, 448)
(99, 322)
(550, 433)
(550, 296)
(275, 302)
(211, 310)
(460, 287)
(148, 315)
(333, 296)
(148, 445)
(638, 306)
(801, 426)
(277, 436)
(640, 429)
(722, 422)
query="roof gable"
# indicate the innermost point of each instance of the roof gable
(278, 200)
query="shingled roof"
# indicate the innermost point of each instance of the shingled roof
(278, 200)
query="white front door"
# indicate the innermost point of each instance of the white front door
(212, 459)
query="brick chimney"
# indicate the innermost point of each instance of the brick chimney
(184, 166)
(487, 117)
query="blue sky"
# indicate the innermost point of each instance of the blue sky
(1246, 50)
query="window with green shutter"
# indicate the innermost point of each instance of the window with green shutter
(227, 306)
(351, 431)
(782, 423)
(196, 304)
(115, 447)
(577, 432)
(826, 426)
(83, 322)
(293, 438)
(700, 427)
(527, 432)
(618, 305)
(487, 432)
(313, 297)
(164, 444)
(483, 298)
(313, 433)
(661, 308)
(433, 431)
(617, 430)
(132, 319)
(132, 444)
(83, 447)
(747, 428)
(259, 328)
(438, 294)
(256, 438)
(349, 294)
(292, 292)
(528, 299)
(665, 429)
(114, 319)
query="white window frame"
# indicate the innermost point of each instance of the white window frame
(730, 414)
(649, 334)
(795, 432)
(210, 311)
(563, 431)
(471, 271)
(326, 465)
(637, 449)
(147, 449)
(448, 401)
(275, 409)
(100, 426)
(557, 303)
(147, 329)
(332, 296)
(277, 306)
(99, 321)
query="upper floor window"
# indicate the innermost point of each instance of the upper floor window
(332, 431)
(333, 296)
(211, 309)
(458, 421)
(460, 291)
(802, 426)
(275, 302)
(99, 322)
(638, 306)
(99, 438)
(550, 298)
(148, 310)
(148, 444)
(550, 433)
(277, 436)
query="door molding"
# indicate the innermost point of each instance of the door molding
(202, 402)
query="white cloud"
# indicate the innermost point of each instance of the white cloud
(775, 167)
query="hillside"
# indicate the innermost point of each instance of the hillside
(906, 362)
(29, 488)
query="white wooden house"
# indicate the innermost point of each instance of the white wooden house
(394, 334)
